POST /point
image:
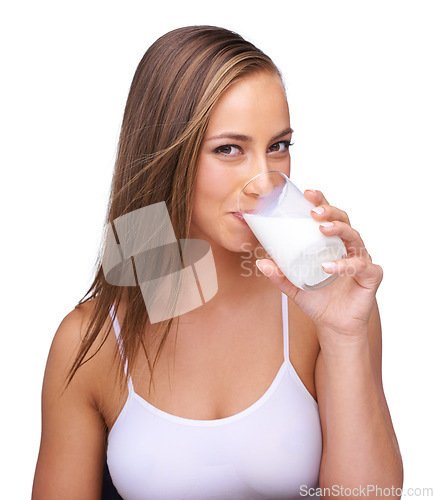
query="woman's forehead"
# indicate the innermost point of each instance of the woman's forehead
(253, 102)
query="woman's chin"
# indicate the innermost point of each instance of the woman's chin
(229, 240)
(242, 245)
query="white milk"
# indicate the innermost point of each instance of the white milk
(297, 246)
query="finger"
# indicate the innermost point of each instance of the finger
(367, 274)
(351, 238)
(275, 275)
(329, 213)
(316, 197)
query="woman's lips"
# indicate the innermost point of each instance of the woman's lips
(239, 217)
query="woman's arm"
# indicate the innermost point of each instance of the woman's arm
(360, 447)
(72, 451)
(360, 450)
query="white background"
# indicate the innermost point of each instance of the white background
(360, 89)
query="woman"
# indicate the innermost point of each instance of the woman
(265, 391)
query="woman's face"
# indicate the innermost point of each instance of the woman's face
(248, 133)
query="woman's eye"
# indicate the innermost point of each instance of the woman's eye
(278, 147)
(228, 150)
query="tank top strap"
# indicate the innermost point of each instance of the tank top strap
(285, 327)
(117, 330)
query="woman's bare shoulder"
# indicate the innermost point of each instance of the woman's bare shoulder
(73, 430)
(73, 326)
(67, 342)
(303, 345)
(300, 325)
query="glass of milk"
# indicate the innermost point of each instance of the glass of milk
(279, 216)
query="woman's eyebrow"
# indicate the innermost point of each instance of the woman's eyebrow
(282, 134)
(247, 138)
(232, 135)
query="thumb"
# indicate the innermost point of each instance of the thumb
(269, 269)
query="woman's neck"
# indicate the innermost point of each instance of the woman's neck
(237, 274)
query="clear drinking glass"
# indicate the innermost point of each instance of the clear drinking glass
(279, 216)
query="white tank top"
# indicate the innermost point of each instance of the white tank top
(271, 450)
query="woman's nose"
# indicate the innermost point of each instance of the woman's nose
(262, 192)
(259, 165)
(260, 185)
(262, 182)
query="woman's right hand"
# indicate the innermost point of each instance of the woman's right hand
(343, 308)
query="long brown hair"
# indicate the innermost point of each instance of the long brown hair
(173, 92)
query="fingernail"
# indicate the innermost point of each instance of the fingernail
(265, 269)
(318, 210)
(329, 267)
(327, 224)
